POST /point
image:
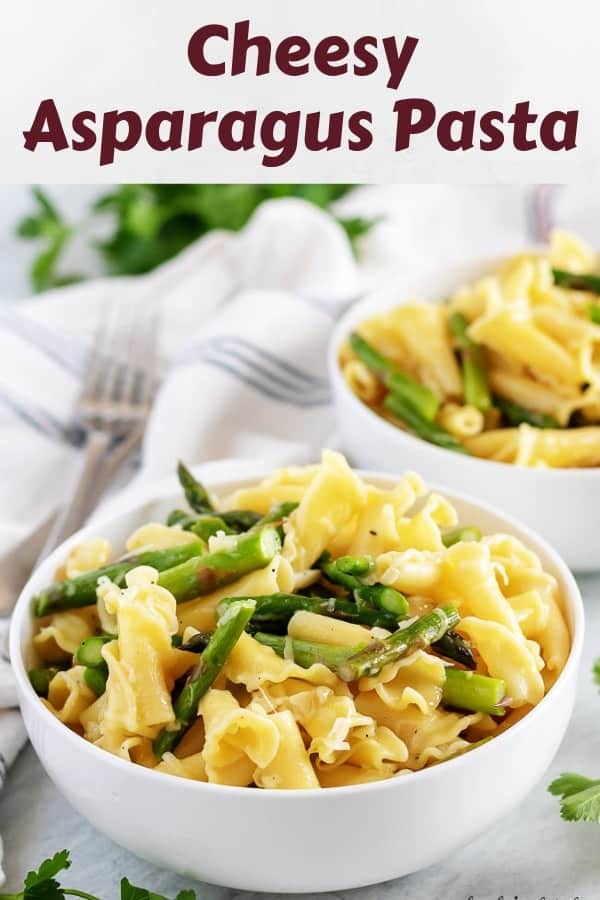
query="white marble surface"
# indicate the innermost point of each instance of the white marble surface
(530, 854)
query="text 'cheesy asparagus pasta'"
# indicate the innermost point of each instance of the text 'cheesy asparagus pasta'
(310, 631)
(507, 368)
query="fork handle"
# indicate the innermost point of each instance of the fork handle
(80, 502)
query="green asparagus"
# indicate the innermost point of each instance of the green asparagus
(180, 517)
(276, 515)
(347, 571)
(466, 533)
(208, 525)
(473, 692)
(214, 657)
(428, 431)
(277, 609)
(307, 653)
(195, 493)
(421, 633)
(89, 652)
(40, 679)
(81, 591)
(203, 574)
(476, 388)
(397, 382)
(387, 599)
(577, 282)
(337, 575)
(355, 565)
(454, 646)
(96, 678)
(240, 519)
(516, 415)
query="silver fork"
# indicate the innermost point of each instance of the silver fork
(114, 404)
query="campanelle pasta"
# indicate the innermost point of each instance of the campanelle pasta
(507, 369)
(408, 642)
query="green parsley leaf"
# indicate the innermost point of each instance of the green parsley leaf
(580, 797)
(49, 868)
(131, 892)
(41, 884)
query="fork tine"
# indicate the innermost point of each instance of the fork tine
(120, 381)
(140, 379)
(95, 372)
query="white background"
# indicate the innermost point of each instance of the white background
(483, 54)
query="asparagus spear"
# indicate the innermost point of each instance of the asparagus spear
(214, 657)
(355, 565)
(40, 679)
(576, 282)
(203, 574)
(466, 533)
(423, 632)
(428, 431)
(195, 493)
(96, 677)
(89, 652)
(476, 388)
(307, 653)
(240, 519)
(180, 517)
(81, 591)
(276, 515)
(477, 693)
(197, 496)
(387, 599)
(346, 570)
(397, 382)
(454, 646)
(278, 609)
(518, 414)
(206, 524)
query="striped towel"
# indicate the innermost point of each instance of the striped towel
(247, 319)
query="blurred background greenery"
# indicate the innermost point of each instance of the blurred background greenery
(143, 225)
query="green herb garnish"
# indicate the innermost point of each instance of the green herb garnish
(42, 885)
(151, 223)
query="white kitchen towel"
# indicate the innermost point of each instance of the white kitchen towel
(246, 321)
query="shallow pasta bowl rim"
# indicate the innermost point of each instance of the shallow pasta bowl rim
(572, 598)
(384, 300)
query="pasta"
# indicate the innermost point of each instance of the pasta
(507, 369)
(355, 572)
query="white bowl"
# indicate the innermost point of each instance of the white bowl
(563, 505)
(315, 840)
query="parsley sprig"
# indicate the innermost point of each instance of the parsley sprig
(42, 885)
(143, 225)
(580, 796)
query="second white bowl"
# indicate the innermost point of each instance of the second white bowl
(563, 505)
